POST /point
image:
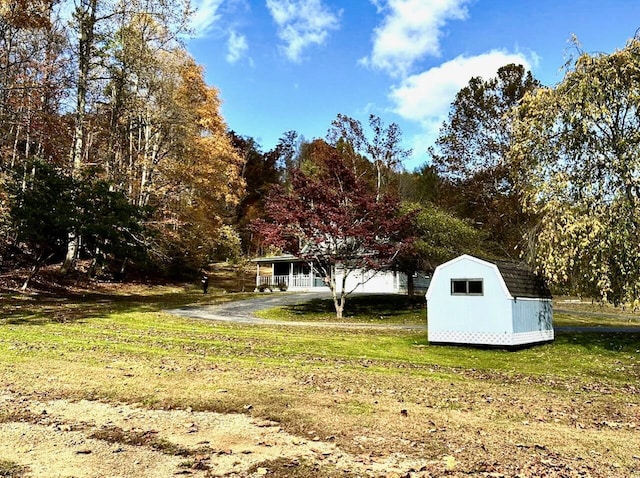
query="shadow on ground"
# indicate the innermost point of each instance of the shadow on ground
(31, 309)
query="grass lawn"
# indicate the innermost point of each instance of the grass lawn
(571, 408)
(372, 309)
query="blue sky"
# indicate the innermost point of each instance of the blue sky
(285, 65)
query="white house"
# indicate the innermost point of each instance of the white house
(294, 274)
(485, 302)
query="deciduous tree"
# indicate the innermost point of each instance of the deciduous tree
(99, 24)
(384, 149)
(198, 180)
(33, 76)
(115, 92)
(330, 217)
(578, 151)
(471, 154)
(260, 173)
(438, 237)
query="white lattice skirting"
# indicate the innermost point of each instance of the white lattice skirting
(488, 338)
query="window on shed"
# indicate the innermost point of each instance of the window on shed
(467, 287)
(458, 286)
(475, 287)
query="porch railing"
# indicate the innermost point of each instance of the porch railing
(301, 281)
(296, 281)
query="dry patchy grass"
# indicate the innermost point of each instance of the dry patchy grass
(571, 408)
(9, 469)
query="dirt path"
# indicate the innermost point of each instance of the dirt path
(89, 439)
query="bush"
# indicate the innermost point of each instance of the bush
(265, 287)
(281, 286)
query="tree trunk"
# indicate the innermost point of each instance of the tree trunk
(87, 19)
(86, 30)
(339, 305)
(378, 179)
(340, 300)
(34, 270)
(95, 263)
(119, 276)
(32, 274)
(73, 246)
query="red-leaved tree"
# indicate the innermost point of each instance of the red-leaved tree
(330, 218)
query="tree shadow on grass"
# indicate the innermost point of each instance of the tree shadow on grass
(364, 307)
(612, 340)
(26, 309)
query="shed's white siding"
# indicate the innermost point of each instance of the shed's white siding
(490, 312)
(531, 314)
(493, 318)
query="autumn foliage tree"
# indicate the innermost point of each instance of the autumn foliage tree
(196, 182)
(260, 173)
(107, 88)
(577, 150)
(33, 76)
(330, 218)
(471, 155)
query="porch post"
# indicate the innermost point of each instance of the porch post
(257, 276)
(290, 275)
(312, 279)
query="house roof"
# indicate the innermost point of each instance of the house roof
(521, 281)
(272, 259)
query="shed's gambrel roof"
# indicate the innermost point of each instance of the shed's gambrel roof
(521, 281)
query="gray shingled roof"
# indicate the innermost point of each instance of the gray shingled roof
(521, 281)
(272, 259)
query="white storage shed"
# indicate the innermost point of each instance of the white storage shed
(485, 302)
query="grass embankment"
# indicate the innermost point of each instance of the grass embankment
(571, 408)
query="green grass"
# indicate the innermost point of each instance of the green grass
(133, 329)
(576, 320)
(44, 308)
(345, 381)
(371, 309)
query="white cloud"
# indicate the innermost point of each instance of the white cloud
(426, 97)
(205, 17)
(237, 46)
(410, 31)
(302, 23)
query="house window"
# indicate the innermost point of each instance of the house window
(466, 287)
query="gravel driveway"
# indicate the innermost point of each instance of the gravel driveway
(243, 312)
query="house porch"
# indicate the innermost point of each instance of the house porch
(286, 272)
